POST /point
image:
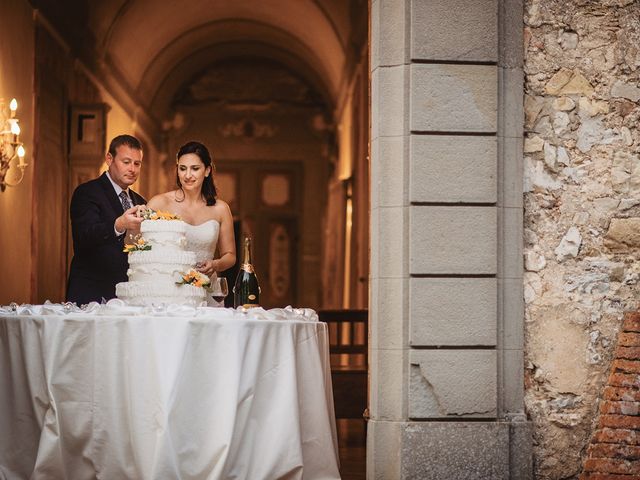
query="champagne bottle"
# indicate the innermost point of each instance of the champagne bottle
(246, 292)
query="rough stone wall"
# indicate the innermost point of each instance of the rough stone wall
(582, 212)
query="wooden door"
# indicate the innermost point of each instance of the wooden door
(86, 152)
(50, 172)
(265, 201)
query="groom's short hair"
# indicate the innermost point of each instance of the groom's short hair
(128, 140)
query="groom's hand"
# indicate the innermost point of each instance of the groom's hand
(128, 221)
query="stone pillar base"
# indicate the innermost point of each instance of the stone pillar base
(449, 450)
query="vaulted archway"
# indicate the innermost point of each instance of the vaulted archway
(293, 118)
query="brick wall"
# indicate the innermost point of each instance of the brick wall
(614, 450)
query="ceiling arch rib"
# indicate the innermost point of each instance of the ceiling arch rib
(103, 15)
(337, 11)
(197, 49)
(160, 106)
(150, 26)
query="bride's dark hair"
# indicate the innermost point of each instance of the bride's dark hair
(208, 189)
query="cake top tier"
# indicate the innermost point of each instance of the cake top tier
(151, 226)
(151, 214)
(164, 233)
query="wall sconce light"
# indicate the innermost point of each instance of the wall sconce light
(10, 144)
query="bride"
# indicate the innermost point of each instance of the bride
(209, 220)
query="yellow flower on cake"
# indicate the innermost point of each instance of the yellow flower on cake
(139, 245)
(195, 278)
(150, 214)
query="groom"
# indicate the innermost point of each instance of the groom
(102, 210)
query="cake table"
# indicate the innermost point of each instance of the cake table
(112, 391)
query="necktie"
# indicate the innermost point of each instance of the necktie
(124, 198)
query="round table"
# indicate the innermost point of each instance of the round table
(119, 392)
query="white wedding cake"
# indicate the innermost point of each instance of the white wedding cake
(160, 267)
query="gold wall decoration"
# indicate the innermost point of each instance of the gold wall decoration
(10, 146)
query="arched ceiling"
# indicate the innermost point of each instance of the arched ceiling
(232, 38)
(152, 47)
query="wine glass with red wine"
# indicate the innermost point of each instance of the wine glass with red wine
(220, 290)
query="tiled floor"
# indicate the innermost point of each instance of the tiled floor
(352, 449)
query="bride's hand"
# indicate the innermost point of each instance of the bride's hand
(208, 267)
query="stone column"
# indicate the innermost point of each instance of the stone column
(446, 255)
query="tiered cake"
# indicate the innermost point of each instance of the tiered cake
(159, 266)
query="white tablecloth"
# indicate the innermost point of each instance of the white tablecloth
(117, 393)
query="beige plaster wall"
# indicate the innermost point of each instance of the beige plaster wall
(119, 121)
(582, 184)
(16, 80)
(345, 258)
(18, 251)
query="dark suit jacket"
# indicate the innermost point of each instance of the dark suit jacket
(98, 260)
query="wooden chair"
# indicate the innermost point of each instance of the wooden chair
(348, 343)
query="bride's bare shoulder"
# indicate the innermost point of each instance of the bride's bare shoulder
(162, 200)
(222, 206)
(222, 211)
(221, 203)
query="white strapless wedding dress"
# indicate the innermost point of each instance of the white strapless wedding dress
(202, 240)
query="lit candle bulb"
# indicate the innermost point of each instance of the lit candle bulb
(21, 154)
(15, 128)
(13, 106)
